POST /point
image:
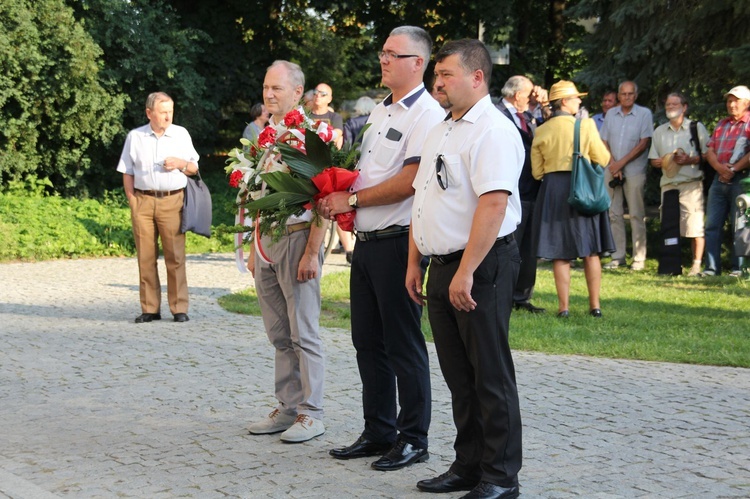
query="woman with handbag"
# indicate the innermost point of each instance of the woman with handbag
(562, 232)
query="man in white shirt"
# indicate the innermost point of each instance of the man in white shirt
(386, 327)
(154, 163)
(466, 209)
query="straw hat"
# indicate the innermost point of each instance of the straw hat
(668, 164)
(564, 89)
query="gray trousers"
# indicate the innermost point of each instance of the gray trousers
(291, 311)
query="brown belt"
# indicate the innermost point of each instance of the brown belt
(159, 194)
(297, 227)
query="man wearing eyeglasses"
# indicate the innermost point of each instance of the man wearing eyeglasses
(386, 328)
(465, 211)
(322, 97)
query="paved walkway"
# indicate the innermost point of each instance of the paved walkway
(93, 405)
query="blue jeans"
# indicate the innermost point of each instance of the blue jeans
(721, 204)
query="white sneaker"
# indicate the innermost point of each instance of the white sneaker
(695, 270)
(735, 273)
(637, 266)
(275, 422)
(613, 264)
(303, 429)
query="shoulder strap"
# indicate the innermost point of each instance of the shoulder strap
(577, 138)
(694, 136)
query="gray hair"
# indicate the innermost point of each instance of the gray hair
(514, 85)
(683, 99)
(635, 86)
(296, 76)
(156, 97)
(364, 106)
(419, 37)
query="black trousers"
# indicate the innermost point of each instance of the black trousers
(477, 364)
(391, 350)
(524, 236)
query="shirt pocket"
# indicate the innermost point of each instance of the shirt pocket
(387, 152)
(453, 170)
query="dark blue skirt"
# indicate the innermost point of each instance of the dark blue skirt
(560, 232)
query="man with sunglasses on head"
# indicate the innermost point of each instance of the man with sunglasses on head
(466, 209)
(386, 327)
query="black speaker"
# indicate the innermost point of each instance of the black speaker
(670, 251)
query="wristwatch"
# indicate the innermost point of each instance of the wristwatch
(353, 200)
(184, 168)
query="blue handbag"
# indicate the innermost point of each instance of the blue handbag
(588, 195)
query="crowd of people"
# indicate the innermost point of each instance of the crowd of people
(478, 189)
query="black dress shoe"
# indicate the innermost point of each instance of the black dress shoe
(487, 490)
(563, 315)
(524, 305)
(147, 318)
(361, 448)
(596, 312)
(181, 318)
(400, 456)
(447, 482)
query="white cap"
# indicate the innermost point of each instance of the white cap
(740, 91)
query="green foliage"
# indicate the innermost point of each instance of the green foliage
(38, 227)
(52, 105)
(646, 317)
(692, 46)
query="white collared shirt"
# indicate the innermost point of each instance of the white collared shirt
(143, 157)
(482, 153)
(394, 140)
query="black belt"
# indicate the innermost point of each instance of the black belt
(387, 233)
(456, 255)
(159, 194)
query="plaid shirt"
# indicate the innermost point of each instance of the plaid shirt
(726, 134)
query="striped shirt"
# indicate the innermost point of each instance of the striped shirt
(725, 136)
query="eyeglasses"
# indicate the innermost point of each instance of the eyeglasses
(387, 56)
(439, 164)
(321, 92)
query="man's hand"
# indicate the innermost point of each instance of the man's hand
(615, 168)
(414, 284)
(333, 204)
(459, 291)
(726, 173)
(171, 163)
(308, 267)
(251, 261)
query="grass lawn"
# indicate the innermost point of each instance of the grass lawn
(646, 316)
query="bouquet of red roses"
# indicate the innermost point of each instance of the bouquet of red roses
(287, 170)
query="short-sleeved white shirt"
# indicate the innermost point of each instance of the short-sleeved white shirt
(395, 139)
(622, 132)
(144, 153)
(482, 153)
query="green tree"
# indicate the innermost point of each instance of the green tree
(52, 105)
(697, 47)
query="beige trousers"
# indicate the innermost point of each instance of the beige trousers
(159, 218)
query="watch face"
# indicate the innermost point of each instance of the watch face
(353, 200)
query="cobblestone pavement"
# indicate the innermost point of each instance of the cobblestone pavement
(93, 405)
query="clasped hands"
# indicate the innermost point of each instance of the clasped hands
(334, 204)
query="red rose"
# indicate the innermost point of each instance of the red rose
(235, 178)
(294, 118)
(267, 137)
